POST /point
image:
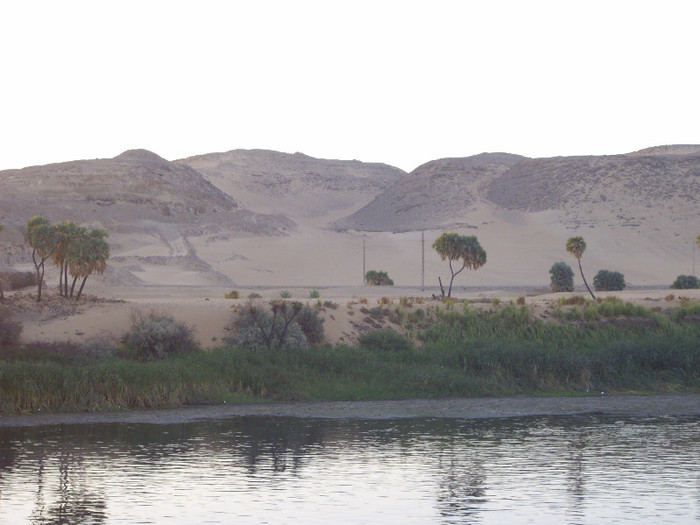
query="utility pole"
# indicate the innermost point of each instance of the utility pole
(422, 254)
(364, 251)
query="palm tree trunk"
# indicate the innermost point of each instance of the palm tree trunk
(60, 279)
(40, 277)
(72, 288)
(80, 290)
(584, 280)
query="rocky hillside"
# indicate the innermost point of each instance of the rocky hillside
(131, 188)
(438, 194)
(628, 190)
(143, 200)
(652, 186)
(296, 185)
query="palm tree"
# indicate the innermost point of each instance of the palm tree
(43, 240)
(66, 232)
(454, 247)
(576, 246)
(87, 254)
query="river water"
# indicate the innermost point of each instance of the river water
(269, 469)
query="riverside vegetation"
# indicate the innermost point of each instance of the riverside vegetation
(441, 349)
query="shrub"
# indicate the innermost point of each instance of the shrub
(155, 336)
(384, 340)
(254, 296)
(10, 330)
(377, 311)
(13, 280)
(311, 325)
(416, 316)
(278, 328)
(380, 278)
(314, 294)
(607, 281)
(233, 294)
(685, 282)
(285, 294)
(562, 277)
(574, 299)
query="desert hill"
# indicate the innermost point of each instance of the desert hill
(661, 182)
(256, 219)
(639, 212)
(299, 186)
(151, 208)
(627, 190)
(438, 194)
(673, 149)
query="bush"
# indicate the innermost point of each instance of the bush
(311, 325)
(155, 336)
(233, 294)
(10, 330)
(380, 278)
(568, 301)
(275, 329)
(384, 340)
(607, 281)
(685, 282)
(13, 280)
(562, 277)
(285, 294)
(314, 294)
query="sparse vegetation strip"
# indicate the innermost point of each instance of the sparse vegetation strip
(450, 350)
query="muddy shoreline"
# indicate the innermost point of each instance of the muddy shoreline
(462, 408)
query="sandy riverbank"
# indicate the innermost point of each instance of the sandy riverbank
(107, 313)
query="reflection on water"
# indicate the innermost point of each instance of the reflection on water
(291, 470)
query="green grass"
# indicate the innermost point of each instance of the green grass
(458, 353)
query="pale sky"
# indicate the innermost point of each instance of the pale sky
(401, 82)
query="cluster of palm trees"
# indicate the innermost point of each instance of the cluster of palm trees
(77, 251)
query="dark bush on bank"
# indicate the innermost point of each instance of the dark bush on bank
(10, 330)
(155, 336)
(14, 280)
(686, 282)
(607, 281)
(562, 279)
